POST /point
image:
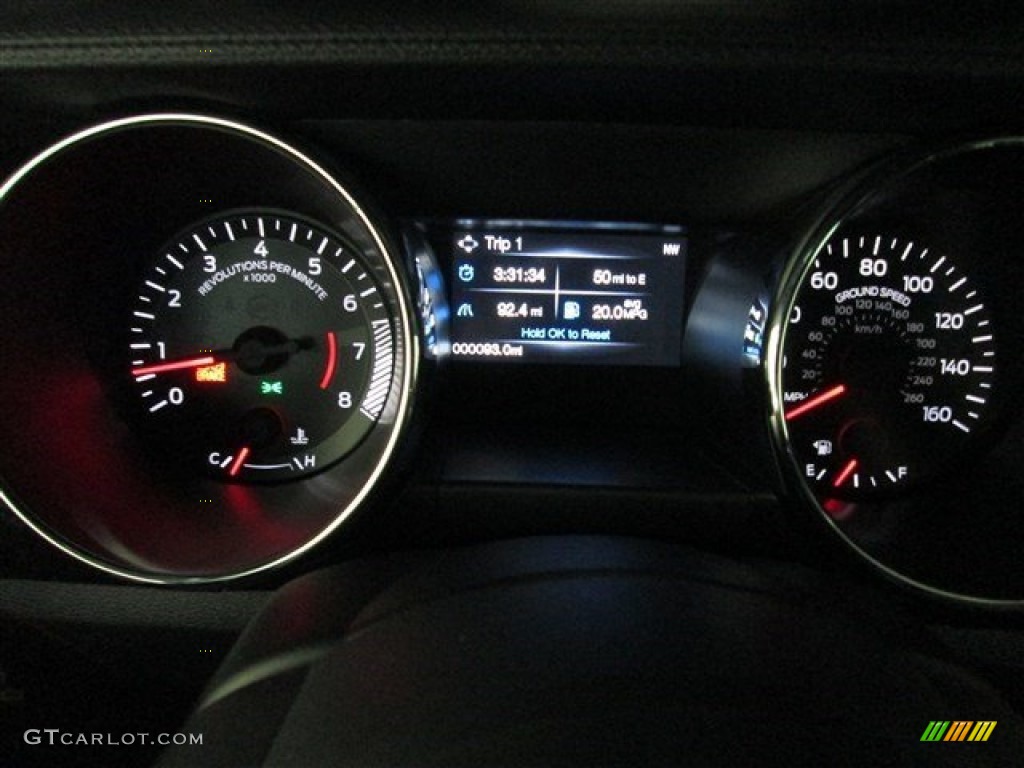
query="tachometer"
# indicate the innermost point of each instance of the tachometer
(208, 405)
(889, 364)
(261, 347)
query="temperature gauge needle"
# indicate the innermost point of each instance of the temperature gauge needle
(813, 402)
(236, 465)
(175, 365)
(844, 474)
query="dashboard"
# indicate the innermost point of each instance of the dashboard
(351, 360)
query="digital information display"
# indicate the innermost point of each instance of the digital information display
(568, 296)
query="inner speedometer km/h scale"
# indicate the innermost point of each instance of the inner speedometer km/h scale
(888, 365)
(261, 347)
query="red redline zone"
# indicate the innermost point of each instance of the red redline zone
(332, 360)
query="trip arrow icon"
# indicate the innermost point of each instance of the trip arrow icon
(468, 244)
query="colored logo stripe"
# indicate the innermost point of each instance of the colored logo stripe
(958, 730)
(982, 730)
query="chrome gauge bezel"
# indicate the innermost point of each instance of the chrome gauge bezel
(842, 208)
(318, 504)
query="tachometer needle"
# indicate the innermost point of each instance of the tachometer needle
(844, 474)
(813, 402)
(176, 365)
(236, 465)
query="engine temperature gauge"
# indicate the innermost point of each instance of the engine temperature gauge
(261, 348)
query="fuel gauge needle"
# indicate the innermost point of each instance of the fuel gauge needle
(236, 465)
(845, 472)
(813, 402)
(175, 365)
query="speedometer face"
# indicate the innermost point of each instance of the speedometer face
(261, 348)
(889, 365)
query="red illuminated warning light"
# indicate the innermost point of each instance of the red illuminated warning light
(217, 373)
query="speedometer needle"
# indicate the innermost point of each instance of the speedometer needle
(175, 365)
(819, 399)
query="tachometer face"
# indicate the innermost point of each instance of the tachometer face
(261, 348)
(889, 364)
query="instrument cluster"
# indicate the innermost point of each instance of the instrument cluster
(221, 351)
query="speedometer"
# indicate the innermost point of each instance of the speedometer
(888, 365)
(892, 359)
